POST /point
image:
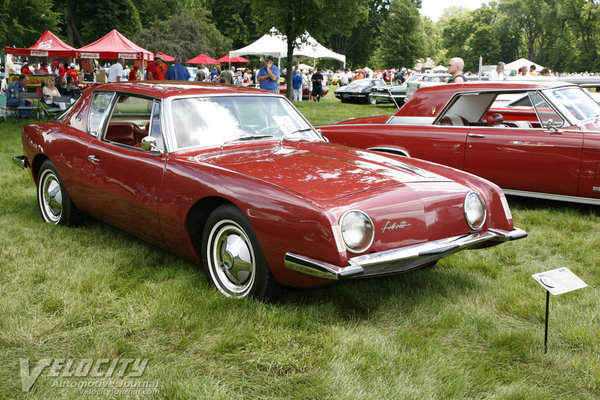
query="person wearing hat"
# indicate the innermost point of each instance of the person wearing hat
(268, 76)
(25, 69)
(152, 71)
(72, 72)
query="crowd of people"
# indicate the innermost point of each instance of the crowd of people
(65, 79)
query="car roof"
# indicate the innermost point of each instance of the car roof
(429, 100)
(164, 89)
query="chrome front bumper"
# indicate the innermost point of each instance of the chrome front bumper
(397, 260)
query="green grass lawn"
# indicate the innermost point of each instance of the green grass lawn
(469, 328)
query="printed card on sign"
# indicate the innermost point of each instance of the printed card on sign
(559, 281)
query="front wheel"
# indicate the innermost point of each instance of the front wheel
(232, 257)
(371, 100)
(54, 203)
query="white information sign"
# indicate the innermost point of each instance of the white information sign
(559, 281)
(285, 124)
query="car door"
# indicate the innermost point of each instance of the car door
(124, 181)
(528, 157)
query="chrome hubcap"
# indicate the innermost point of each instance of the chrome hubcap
(51, 201)
(231, 259)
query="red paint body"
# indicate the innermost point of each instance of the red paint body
(529, 159)
(292, 192)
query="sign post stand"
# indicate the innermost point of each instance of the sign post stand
(546, 328)
(556, 281)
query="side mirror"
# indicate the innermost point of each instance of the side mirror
(149, 144)
(551, 126)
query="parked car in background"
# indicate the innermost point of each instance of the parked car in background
(358, 90)
(535, 139)
(238, 180)
(427, 80)
(392, 93)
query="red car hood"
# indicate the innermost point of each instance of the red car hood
(317, 170)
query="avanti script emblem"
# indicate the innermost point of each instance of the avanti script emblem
(390, 226)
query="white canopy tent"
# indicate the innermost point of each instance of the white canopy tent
(440, 68)
(515, 65)
(271, 44)
(275, 44)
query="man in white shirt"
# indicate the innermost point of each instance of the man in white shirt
(115, 72)
(498, 73)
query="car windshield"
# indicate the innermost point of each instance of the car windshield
(360, 83)
(577, 102)
(214, 121)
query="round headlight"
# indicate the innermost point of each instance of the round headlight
(357, 231)
(474, 211)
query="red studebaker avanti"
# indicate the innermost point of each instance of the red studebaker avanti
(537, 139)
(237, 179)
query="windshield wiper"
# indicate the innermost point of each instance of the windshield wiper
(249, 137)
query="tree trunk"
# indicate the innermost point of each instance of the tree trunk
(289, 65)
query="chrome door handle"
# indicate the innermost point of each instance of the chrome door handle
(93, 159)
(476, 135)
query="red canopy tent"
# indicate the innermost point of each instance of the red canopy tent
(48, 45)
(237, 59)
(112, 46)
(165, 57)
(202, 59)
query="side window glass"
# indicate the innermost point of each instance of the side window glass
(543, 110)
(130, 120)
(155, 126)
(98, 112)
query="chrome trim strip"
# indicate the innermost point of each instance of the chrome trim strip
(550, 196)
(398, 260)
(20, 161)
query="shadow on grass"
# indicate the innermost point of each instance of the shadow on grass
(358, 299)
(528, 203)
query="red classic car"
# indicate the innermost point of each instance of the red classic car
(237, 179)
(537, 139)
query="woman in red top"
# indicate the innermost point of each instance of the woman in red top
(25, 69)
(72, 72)
(133, 73)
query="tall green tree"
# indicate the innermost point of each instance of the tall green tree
(151, 11)
(294, 17)
(22, 22)
(582, 17)
(87, 21)
(533, 20)
(361, 43)
(184, 34)
(401, 37)
(235, 20)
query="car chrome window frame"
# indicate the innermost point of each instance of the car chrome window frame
(158, 102)
(550, 103)
(169, 127)
(108, 111)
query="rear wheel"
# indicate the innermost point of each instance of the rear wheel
(371, 100)
(54, 203)
(232, 257)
